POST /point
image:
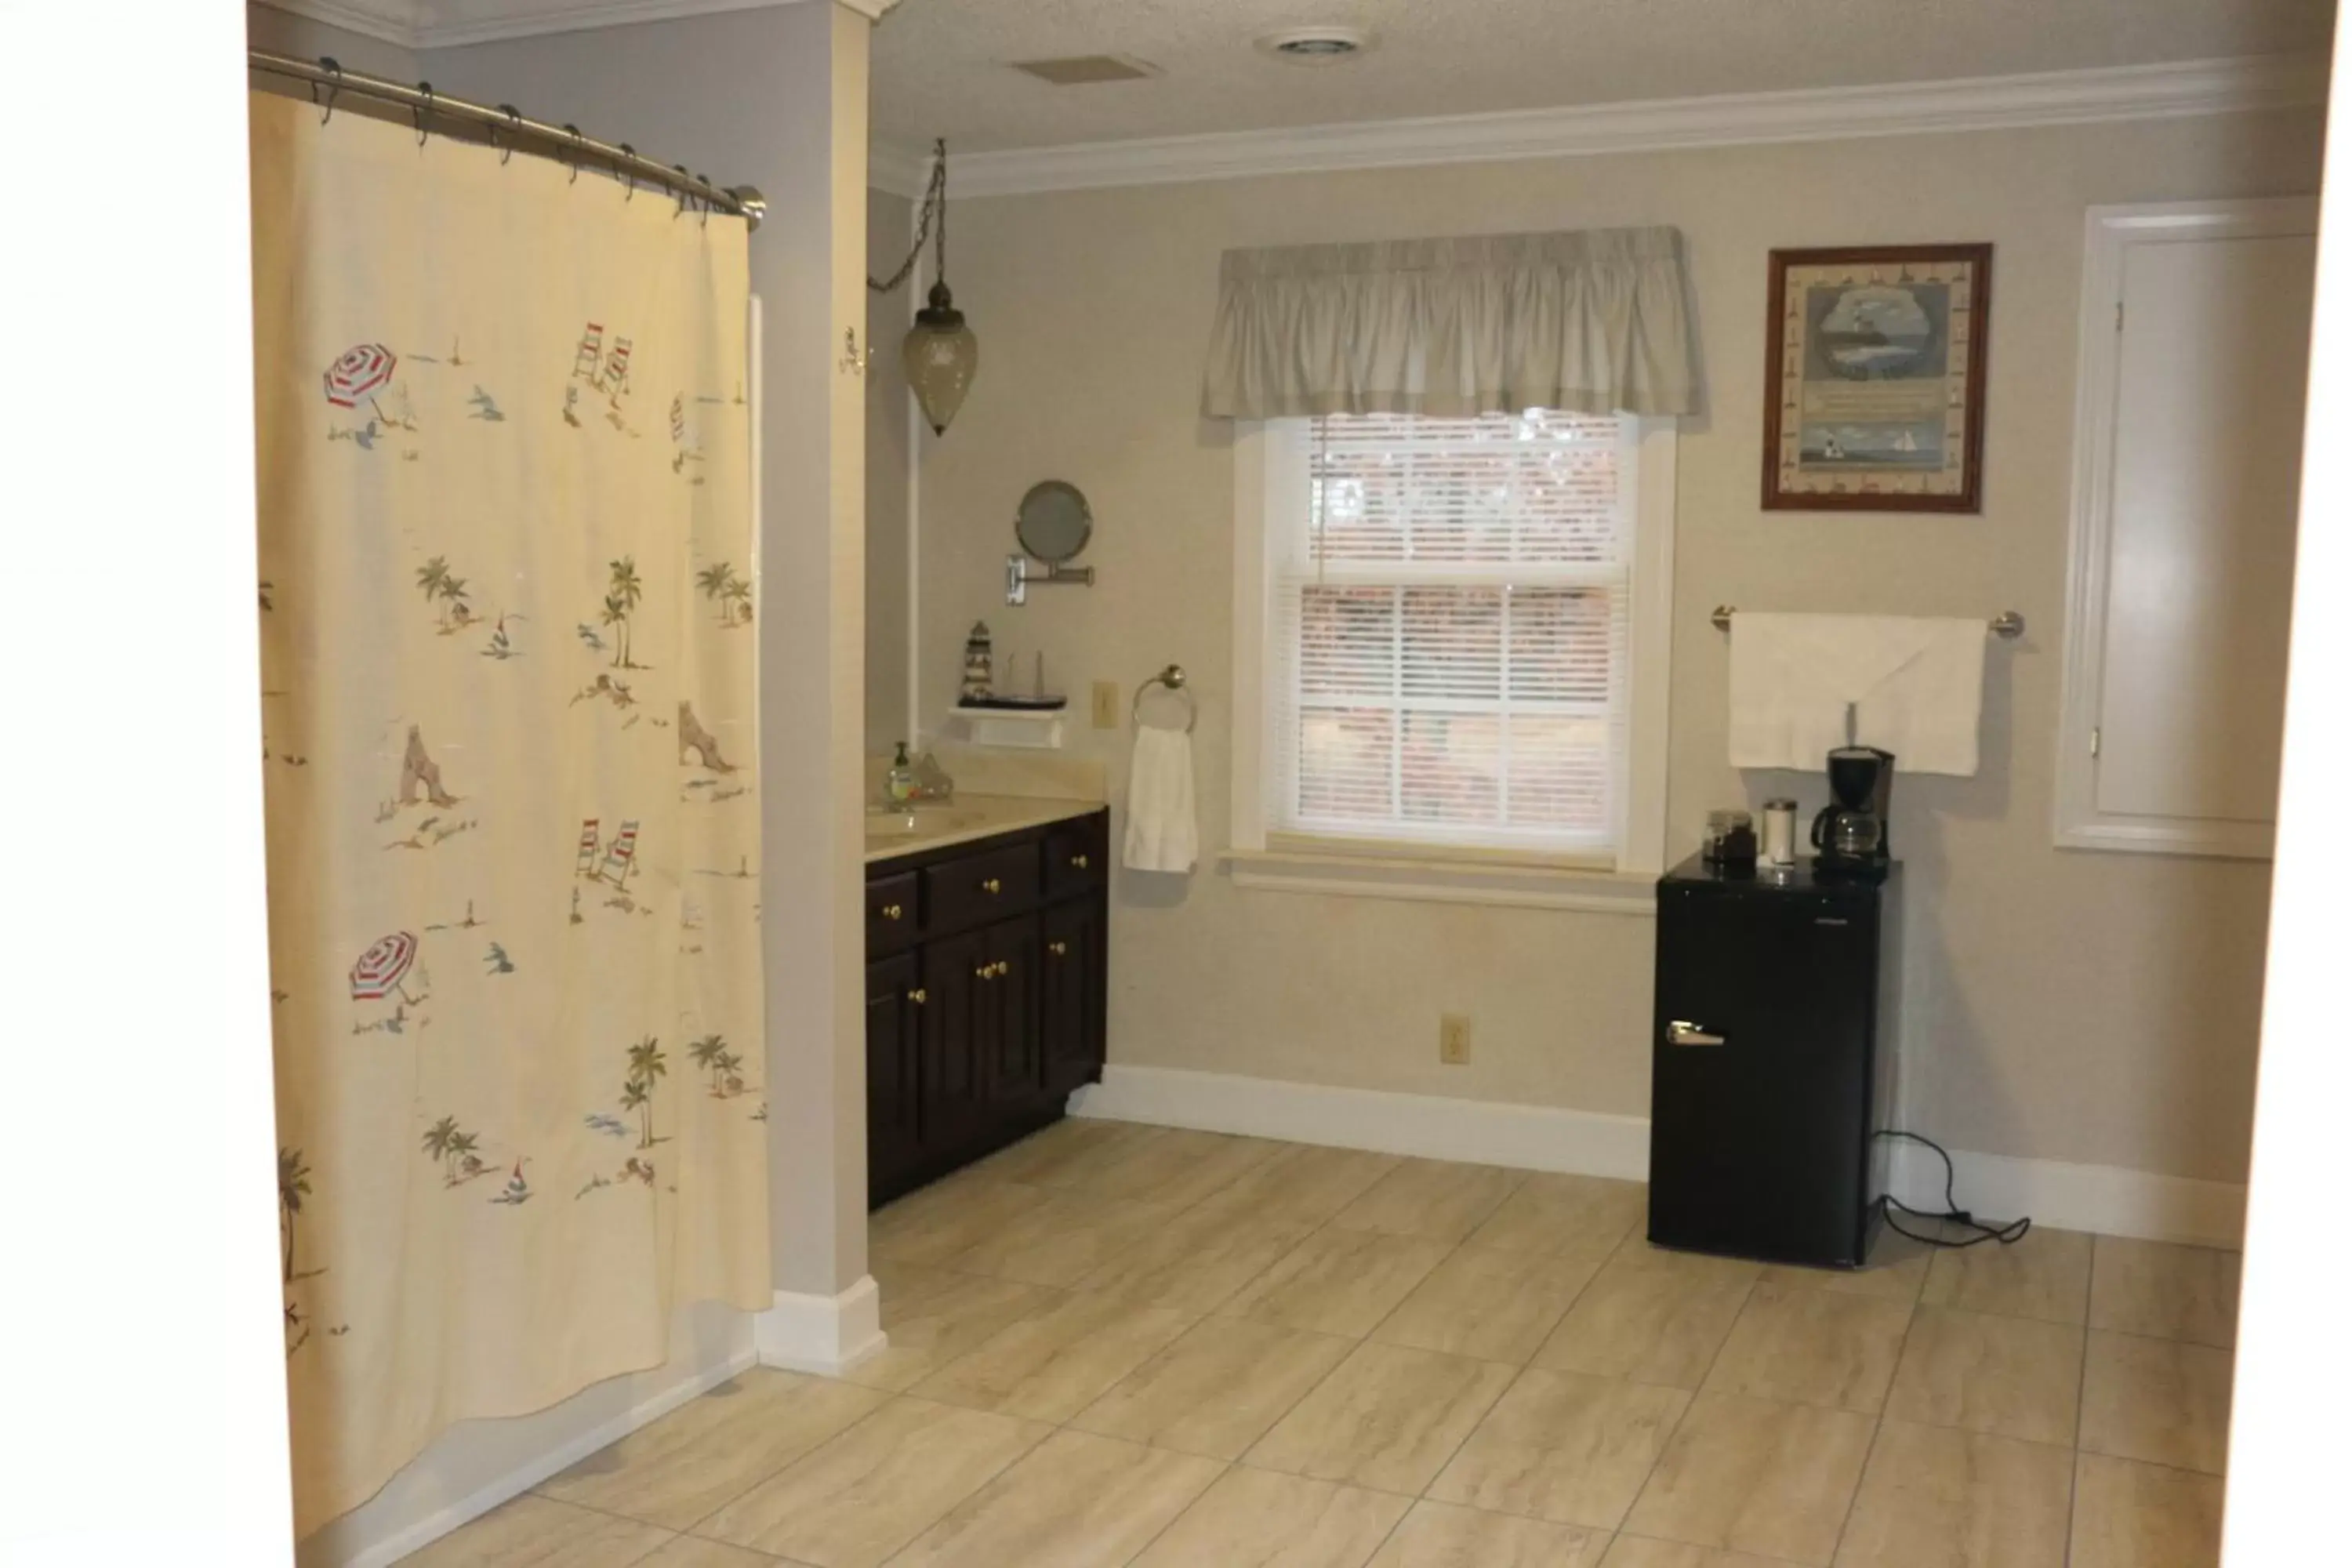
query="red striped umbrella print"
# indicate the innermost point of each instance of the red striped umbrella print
(381, 967)
(362, 369)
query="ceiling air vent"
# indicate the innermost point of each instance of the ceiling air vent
(1081, 71)
(1321, 46)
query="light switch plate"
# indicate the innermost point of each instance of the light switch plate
(1453, 1040)
(1105, 704)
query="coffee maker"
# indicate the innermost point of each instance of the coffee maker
(1850, 833)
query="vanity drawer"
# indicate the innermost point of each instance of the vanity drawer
(976, 887)
(893, 916)
(1075, 855)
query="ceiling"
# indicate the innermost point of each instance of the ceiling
(940, 67)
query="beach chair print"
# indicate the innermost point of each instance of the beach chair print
(621, 858)
(590, 355)
(616, 369)
(584, 863)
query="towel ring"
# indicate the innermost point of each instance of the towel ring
(1172, 677)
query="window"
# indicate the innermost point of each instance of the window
(1461, 636)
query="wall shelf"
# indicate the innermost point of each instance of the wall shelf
(1034, 730)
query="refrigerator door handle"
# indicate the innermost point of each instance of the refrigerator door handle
(1680, 1033)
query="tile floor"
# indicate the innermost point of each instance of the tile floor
(1115, 1344)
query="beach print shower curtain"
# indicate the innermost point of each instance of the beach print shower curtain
(506, 609)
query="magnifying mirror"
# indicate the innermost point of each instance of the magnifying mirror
(1052, 526)
(1054, 522)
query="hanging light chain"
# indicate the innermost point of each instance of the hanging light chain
(934, 220)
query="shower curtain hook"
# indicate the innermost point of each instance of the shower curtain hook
(417, 114)
(333, 87)
(706, 199)
(514, 120)
(579, 137)
(683, 194)
(629, 174)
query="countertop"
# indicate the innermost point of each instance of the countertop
(1764, 881)
(892, 834)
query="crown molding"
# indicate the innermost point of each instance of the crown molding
(410, 23)
(386, 21)
(900, 171)
(2175, 90)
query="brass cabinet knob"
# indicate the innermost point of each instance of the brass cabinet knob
(892, 912)
(918, 995)
(992, 885)
(1079, 861)
(985, 971)
(1002, 969)
(1057, 947)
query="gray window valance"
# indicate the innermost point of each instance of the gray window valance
(1596, 323)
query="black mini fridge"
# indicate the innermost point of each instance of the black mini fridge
(1771, 1062)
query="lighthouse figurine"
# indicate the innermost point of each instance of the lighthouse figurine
(979, 660)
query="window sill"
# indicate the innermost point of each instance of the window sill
(1442, 882)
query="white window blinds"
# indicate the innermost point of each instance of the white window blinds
(1447, 634)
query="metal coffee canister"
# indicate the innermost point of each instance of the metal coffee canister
(1779, 846)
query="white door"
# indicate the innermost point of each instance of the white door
(2196, 328)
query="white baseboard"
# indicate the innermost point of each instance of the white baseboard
(2108, 1199)
(1529, 1137)
(2104, 1198)
(826, 1334)
(513, 1483)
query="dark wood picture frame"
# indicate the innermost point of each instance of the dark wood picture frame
(1783, 336)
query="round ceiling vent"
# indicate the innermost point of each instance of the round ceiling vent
(1318, 46)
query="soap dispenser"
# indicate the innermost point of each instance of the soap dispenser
(901, 785)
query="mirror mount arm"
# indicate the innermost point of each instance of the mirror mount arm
(1020, 572)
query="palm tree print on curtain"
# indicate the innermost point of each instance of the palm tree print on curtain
(620, 604)
(448, 593)
(714, 581)
(293, 1187)
(440, 774)
(647, 1065)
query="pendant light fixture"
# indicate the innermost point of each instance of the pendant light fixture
(941, 354)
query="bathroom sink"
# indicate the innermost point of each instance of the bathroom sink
(883, 826)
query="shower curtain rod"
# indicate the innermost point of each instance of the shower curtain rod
(507, 125)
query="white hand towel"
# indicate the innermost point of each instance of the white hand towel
(1161, 832)
(1917, 686)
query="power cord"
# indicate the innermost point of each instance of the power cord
(1953, 1214)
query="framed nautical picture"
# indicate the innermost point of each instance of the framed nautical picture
(1875, 379)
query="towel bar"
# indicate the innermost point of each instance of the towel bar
(2008, 625)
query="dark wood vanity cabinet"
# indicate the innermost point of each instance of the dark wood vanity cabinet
(894, 1011)
(986, 992)
(1070, 1001)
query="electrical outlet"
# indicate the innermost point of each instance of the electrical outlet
(1453, 1040)
(1105, 704)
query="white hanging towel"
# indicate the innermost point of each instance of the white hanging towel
(1917, 686)
(1161, 832)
